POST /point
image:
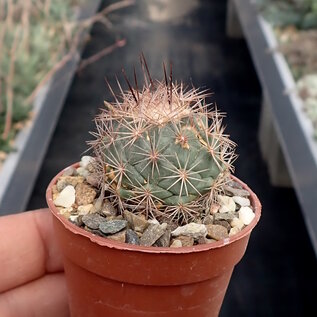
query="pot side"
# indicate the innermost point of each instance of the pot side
(113, 279)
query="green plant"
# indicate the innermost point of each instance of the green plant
(32, 40)
(160, 151)
(38, 37)
(281, 13)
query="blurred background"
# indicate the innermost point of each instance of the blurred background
(259, 58)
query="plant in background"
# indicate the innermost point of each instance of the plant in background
(160, 150)
(295, 25)
(280, 13)
(37, 38)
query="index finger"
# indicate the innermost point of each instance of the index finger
(28, 249)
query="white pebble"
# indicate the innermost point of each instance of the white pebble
(82, 172)
(246, 215)
(234, 231)
(176, 244)
(85, 160)
(243, 202)
(66, 197)
(84, 209)
(236, 222)
(192, 229)
(73, 217)
(227, 204)
(153, 221)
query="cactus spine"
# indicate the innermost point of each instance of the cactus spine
(160, 151)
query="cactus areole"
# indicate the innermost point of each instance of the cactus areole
(161, 150)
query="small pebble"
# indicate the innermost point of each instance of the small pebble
(204, 240)
(63, 211)
(85, 160)
(217, 232)
(164, 240)
(234, 184)
(131, 237)
(223, 223)
(186, 241)
(234, 231)
(77, 220)
(85, 194)
(214, 208)
(119, 236)
(63, 181)
(237, 191)
(84, 209)
(112, 226)
(137, 223)
(69, 171)
(227, 216)
(108, 209)
(152, 234)
(66, 197)
(236, 222)
(93, 221)
(153, 221)
(208, 220)
(82, 172)
(92, 180)
(192, 229)
(242, 201)
(176, 244)
(227, 204)
(246, 215)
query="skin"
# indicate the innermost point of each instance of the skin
(32, 282)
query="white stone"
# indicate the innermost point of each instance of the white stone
(73, 217)
(224, 209)
(153, 221)
(227, 204)
(236, 222)
(66, 197)
(192, 229)
(85, 160)
(64, 211)
(246, 215)
(242, 201)
(176, 244)
(84, 209)
(234, 231)
(82, 172)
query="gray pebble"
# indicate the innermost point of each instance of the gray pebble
(228, 216)
(152, 234)
(78, 220)
(131, 237)
(208, 220)
(70, 171)
(236, 191)
(223, 223)
(164, 240)
(112, 226)
(93, 221)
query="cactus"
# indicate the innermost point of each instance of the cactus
(160, 151)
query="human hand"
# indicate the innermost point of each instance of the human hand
(32, 280)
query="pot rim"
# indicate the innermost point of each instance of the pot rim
(154, 250)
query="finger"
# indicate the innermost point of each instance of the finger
(28, 248)
(46, 296)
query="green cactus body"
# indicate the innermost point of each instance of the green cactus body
(157, 152)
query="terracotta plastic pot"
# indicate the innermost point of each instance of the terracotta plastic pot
(106, 278)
